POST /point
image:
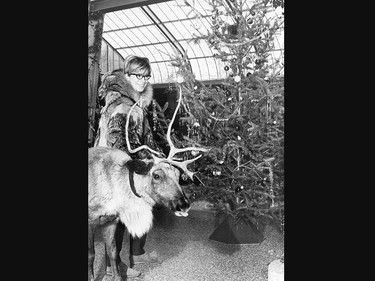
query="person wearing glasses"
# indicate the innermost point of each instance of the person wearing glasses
(120, 89)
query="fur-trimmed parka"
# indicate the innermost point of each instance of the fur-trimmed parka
(119, 96)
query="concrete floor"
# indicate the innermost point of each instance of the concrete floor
(188, 255)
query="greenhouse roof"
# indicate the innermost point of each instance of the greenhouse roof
(160, 29)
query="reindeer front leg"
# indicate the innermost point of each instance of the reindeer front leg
(109, 237)
(91, 247)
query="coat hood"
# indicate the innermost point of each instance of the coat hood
(114, 85)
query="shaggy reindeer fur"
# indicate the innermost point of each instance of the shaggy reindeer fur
(110, 193)
(111, 197)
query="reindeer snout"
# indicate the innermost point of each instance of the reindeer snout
(183, 206)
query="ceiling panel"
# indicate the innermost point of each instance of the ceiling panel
(170, 27)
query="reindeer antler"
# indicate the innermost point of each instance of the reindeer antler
(173, 150)
(127, 136)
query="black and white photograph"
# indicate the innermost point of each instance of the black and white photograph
(186, 140)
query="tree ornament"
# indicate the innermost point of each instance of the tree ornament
(250, 21)
(180, 79)
(239, 138)
(218, 172)
(237, 78)
(226, 68)
(252, 13)
(239, 188)
(221, 9)
(154, 115)
(194, 195)
(257, 61)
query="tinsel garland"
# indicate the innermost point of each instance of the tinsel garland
(154, 115)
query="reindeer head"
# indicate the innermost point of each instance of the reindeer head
(165, 172)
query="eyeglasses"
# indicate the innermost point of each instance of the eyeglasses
(140, 76)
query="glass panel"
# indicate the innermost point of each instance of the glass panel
(116, 20)
(140, 37)
(195, 50)
(120, 39)
(212, 68)
(109, 24)
(163, 12)
(110, 40)
(121, 19)
(152, 53)
(137, 17)
(166, 50)
(202, 7)
(195, 69)
(175, 28)
(152, 34)
(180, 9)
(124, 52)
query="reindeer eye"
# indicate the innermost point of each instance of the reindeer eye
(156, 176)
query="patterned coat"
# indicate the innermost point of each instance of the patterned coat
(119, 96)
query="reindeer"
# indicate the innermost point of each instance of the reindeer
(126, 189)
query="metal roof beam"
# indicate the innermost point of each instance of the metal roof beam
(106, 6)
(152, 24)
(157, 43)
(165, 31)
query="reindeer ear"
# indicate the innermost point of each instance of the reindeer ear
(138, 166)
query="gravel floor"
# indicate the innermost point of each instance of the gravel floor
(188, 255)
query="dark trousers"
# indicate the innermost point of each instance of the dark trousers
(136, 244)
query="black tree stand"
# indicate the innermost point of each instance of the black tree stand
(241, 232)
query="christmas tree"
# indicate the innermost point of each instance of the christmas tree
(241, 119)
